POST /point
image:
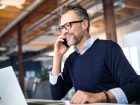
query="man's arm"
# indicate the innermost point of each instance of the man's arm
(61, 87)
(61, 84)
(82, 97)
(115, 95)
(123, 72)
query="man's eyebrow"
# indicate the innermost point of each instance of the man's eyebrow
(64, 24)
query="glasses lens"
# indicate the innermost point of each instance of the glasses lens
(60, 28)
(67, 26)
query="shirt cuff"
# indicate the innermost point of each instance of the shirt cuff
(119, 95)
(53, 79)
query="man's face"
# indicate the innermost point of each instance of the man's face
(76, 32)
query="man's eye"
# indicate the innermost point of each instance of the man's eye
(67, 25)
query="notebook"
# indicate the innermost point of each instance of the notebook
(11, 93)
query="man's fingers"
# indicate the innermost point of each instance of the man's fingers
(84, 99)
(79, 97)
(75, 99)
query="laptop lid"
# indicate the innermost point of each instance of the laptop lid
(10, 91)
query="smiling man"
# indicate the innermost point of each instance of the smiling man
(97, 69)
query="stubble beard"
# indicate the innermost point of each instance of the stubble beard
(75, 40)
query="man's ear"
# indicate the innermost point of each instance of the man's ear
(85, 24)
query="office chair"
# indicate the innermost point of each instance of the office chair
(42, 91)
(29, 87)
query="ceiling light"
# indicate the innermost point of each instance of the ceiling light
(2, 6)
(17, 3)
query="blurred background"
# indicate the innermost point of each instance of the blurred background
(28, 31)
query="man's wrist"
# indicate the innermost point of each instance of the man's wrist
(107, 96)
(101, 97)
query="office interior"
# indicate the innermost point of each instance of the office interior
(28, 31)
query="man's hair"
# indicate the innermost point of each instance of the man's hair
(79, 10)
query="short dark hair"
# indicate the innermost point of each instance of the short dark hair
(79, 10)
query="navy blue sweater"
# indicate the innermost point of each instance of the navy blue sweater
(102, 67)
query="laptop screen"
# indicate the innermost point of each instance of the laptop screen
(10, 91)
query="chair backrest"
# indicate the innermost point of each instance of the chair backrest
(42, 91)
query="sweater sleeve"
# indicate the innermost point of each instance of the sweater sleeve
(123, 72)
(63, 84)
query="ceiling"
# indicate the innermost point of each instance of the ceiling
(38, 20)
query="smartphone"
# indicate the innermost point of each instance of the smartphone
(65, 43)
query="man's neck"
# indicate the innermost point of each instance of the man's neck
(80, 45)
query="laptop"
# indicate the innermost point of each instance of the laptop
(11, 93)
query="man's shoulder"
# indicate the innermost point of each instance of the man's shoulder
(107, 42)
(108, 45)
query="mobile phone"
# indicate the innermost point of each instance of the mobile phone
(65, 43)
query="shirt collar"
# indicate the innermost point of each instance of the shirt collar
(87, 45)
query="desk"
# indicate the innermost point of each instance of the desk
(51, 102)
(45, 102)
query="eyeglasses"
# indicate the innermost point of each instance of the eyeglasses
(68, 25)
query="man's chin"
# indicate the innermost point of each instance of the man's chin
(72, 43)
(69, 45)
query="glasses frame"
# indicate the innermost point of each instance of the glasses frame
(60, 28)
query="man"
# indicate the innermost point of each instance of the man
(97, 69)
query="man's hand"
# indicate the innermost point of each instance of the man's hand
(81, 97)
(59, 50)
